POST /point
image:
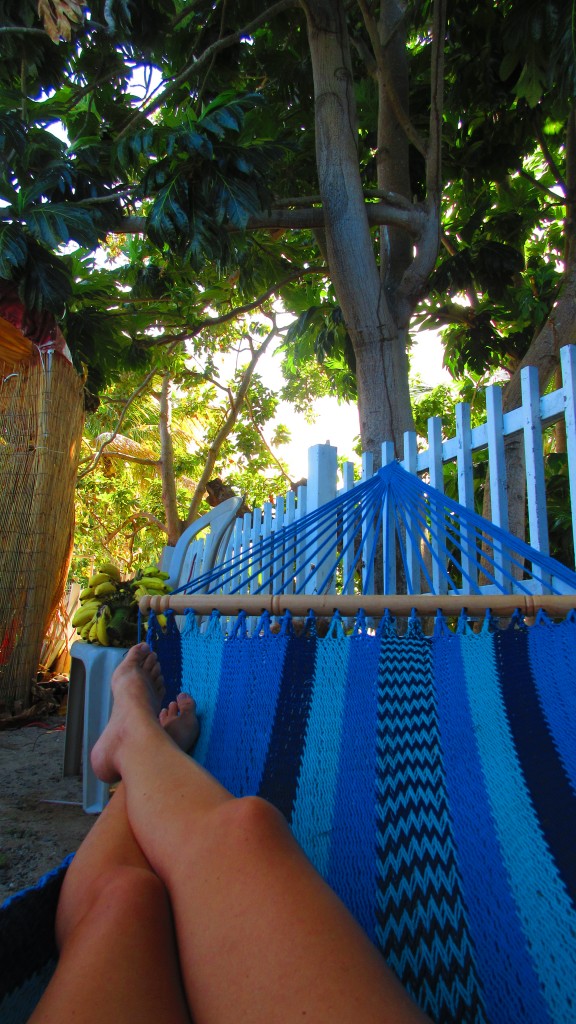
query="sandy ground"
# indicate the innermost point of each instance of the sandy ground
(41, 816)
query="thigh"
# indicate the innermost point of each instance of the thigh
(120, 962)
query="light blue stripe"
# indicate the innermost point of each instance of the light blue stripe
(544, 907)
(314, 807)
(352, 866)
(201, 662)
(510, 986)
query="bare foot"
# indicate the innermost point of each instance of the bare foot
(137, 686)
(180, 721)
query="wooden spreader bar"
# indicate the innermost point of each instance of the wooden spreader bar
(349, 604)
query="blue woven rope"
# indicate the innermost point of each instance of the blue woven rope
(451, 533)
(428, 780)
(431, 781)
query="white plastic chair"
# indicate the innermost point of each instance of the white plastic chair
(89, 694)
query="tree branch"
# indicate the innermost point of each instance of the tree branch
(142, 387)
(379, 49)
(417, 274)
(550, 161)
(214, 321)
(557, 200)
(272, 455)
(209, 53)
(227, 426)
(393, 214)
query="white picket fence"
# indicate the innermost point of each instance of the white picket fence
(325, 482)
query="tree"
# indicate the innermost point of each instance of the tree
(201, 163)
(153, 447)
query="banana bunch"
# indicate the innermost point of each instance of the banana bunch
(94, 614)
(150, 580)
(108, 612)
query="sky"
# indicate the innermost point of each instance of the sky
(338, 424)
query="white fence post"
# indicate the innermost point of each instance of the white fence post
(465, 494)
(322, 470)
(497, 471)
(367, 532)
(534, 456)
(438, 533)
(568, 363)
(388, 530)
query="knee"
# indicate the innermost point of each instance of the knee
(115, 895)
(128, 887)
(250, 822)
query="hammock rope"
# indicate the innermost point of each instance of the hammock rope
(430, 779)
(461, 546)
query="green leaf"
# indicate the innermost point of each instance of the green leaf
(56, 224)
(168, 219)
(13, 249)
(45, 284)
(12, 133)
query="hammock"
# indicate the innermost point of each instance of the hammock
(430, 779)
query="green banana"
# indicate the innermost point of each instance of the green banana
(86, 593)
(105, 589)
(97, 578)
(102, 621)
(85, 630)
(153, 583)
(93, 631)
(153, 570)
(110, 570)
(83, 615)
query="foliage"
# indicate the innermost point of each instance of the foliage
(181, 127)
(120, 507)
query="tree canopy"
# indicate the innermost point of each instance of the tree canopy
(374, 165)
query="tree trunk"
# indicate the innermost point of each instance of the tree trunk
(379, 346)
(173, 522)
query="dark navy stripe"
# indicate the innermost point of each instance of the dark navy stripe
(549, 787)
(551, 650)
(279, 781)
(168, 648)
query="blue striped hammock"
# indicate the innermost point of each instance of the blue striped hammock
(430, 779)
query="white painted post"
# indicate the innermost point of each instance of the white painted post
(388, 530)
(534, 456)
(348, 533)
(301, 509)
(410, 463)
(497, 471)
(279, 547)
(568, 363)
(247, 551)
(466, 495)
(367, 532)
(267, 563)
(438, 533)
(322, 471)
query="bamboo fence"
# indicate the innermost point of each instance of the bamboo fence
(41, 419)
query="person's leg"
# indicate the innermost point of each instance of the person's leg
(120, 962)
(118, 957)
(110, 842)
(260, 936)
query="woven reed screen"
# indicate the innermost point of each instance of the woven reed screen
(41, 420)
